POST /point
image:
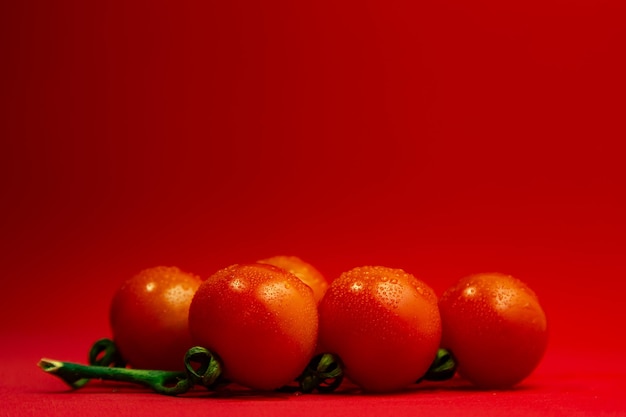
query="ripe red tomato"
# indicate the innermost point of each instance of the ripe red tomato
(149, 318)
(384, 325)
(303, 270)
(260, 320)
(494, 326)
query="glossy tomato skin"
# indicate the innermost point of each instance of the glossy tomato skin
(260, 320)
(149, 318)
(384, 325)
(303, 270)
(495, 327)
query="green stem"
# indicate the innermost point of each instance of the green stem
(163, 382)
(103, 353)
(202, 368)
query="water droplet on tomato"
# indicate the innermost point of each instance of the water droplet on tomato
(469, 291)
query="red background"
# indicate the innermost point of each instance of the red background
(443, 137)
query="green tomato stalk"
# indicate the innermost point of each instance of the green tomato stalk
(201, 368)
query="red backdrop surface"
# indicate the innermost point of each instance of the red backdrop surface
(442, 137)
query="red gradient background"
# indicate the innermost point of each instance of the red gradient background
(443, 137)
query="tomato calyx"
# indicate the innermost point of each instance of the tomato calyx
(324, 373)
(204, 368)
(443, 367)
(105, 353)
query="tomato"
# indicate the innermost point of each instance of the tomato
(149, 318)
(260, 320)
(494, 326)
(384, 325)
(303, 270)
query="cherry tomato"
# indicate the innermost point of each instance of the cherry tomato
(303, 270)
(384, 325)
(149, 318)
(260, 320)
(494, 326)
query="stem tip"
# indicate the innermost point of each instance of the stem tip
(49, 365)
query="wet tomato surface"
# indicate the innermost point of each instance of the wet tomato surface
(149, 318)
(260, 320)
(384, 325)
(495, 327)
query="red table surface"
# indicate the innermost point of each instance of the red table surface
(443, 137)
(565, 384)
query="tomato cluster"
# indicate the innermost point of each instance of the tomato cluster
(266, 320)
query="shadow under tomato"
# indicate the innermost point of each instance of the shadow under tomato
(455, 384)
(232, 391)
(237, 392)
(459, 384)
